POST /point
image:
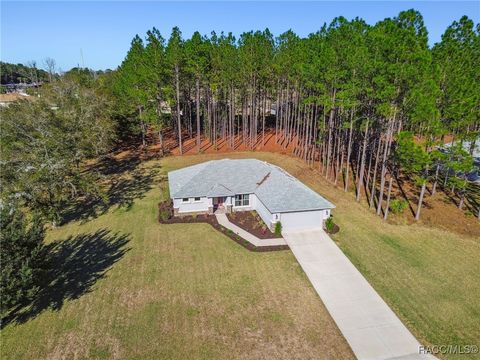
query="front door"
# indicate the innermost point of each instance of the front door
(218, 202)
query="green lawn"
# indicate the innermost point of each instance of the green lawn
(186, 291)
(178, 291)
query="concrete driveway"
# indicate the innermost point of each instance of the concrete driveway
(368, 324)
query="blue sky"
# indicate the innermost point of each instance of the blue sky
(102, 31)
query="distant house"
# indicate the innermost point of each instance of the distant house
(7, 99)
(474, 148)
(238, 185)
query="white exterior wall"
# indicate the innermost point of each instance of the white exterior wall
(192, 206)
(290, 220)
(265, 214)
(303, 219)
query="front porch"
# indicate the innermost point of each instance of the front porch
(221, 205)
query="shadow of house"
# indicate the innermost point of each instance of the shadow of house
(74, 266)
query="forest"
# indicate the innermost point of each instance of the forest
(369, 106)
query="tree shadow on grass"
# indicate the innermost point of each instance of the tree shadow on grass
(123, 182)
(74, 266)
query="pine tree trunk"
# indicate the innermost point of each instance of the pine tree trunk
(142, 126)
(434, 187)
(384, 167)
(263, 117)
(362, 166)
(277, 111)
(349, 151)
(420, 200)
(369, 171)
(214, 110)
(462, 200)
(462, 196)
(330, 120)
(385, 216)
(197, 85)
(177, 86)
(375, 168)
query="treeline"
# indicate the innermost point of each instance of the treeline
(363, 103)
(19, 73)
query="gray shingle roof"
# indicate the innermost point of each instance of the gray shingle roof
(276, 189)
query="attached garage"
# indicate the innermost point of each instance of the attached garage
(303, 220)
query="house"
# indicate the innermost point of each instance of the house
(472, 148)
(7, 99)
(248, 184)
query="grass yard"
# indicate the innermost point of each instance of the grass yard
(136, 289)
(185, 291)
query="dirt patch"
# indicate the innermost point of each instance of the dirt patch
(166, 217)
(252, 222)
(439, 210)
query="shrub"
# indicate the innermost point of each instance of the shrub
(329, 225)
(398, 205)
(165, 215)
(278, 228)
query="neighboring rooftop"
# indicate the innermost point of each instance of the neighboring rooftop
(10, 97)
(277, 190)
(467, 146)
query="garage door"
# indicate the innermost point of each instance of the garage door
(302, 220)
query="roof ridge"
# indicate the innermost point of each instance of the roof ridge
(219, 184)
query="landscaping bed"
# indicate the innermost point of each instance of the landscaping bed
(166, 217)
(252, 222)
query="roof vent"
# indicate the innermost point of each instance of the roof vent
(264, 179)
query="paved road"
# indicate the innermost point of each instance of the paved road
(223, 220)
(371, 328)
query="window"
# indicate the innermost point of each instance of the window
(242, 200)
(185, 200)
(197, 199)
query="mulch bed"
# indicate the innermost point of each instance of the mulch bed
(166, 217)
(335, 229)
(250, 221)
